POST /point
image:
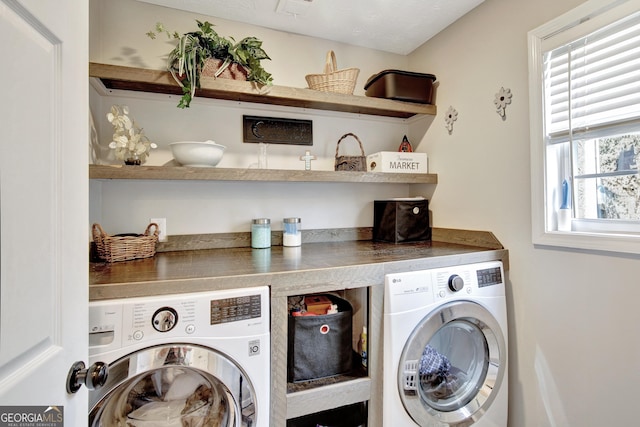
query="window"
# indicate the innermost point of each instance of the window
(584, 75)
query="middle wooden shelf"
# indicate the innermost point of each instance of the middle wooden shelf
(238, 174)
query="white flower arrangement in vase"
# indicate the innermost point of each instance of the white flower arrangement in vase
(129, 141)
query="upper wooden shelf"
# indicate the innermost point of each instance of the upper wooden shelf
(157, 81)
(230, 174)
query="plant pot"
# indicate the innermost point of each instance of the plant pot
(233, 71)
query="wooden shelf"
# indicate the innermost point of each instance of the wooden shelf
(328, 397)
(228, 174)
(157, 81)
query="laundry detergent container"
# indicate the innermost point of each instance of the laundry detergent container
(320, 346)
(401, 86)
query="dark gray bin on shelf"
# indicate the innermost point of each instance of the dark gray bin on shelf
(320, 346)
(399, 221)
(402, 86)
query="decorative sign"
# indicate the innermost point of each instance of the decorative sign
(270, 130)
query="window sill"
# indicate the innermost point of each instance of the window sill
(578, 240)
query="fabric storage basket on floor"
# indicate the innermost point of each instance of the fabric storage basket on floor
(320, 346)
(346, 416)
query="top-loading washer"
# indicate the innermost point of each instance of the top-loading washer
(445, 347)
(198, 359)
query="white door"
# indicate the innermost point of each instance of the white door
(44, 231)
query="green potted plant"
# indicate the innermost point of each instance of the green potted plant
(204, 52)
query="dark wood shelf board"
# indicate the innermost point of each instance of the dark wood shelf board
(158, 81)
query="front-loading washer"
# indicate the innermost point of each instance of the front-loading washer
(197, 359)
(445, 347)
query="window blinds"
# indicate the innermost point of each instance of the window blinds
(594, 82)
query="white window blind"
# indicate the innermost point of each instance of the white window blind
(593, 82)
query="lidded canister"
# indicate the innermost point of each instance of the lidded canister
(291, 232)
(261, 233)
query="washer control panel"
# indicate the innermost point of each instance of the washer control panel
(489, 276)
(405, 291)
(130, 321)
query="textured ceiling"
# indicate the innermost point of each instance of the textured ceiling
(397, 26)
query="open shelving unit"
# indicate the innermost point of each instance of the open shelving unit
(288, 400)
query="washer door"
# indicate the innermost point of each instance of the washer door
(174, 385)
(452, 365)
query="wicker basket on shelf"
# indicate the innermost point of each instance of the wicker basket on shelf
(126, 246)
(334, 80)
(351, 163)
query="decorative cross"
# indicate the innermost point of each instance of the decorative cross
(307, 160)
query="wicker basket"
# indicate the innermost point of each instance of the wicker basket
(334, 80)
(351, 163)
(125, 247)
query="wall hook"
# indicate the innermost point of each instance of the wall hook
(450, 118)
(503, 98)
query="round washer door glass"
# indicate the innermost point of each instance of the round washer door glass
(452, 364)
(174, 385)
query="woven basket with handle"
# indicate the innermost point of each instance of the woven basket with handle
(125, 247)
(351, 163)
(334, 80)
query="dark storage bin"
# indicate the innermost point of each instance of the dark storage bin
(401, 220)
(320, 346)
(401, 86)
(346, 416)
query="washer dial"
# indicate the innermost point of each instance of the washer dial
(164, 319)
(456, 282)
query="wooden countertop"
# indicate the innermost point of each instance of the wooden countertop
(287, 270)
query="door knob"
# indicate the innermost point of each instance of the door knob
(94, 377)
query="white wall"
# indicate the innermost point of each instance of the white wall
(575, 350)
(575, 346)
(118, 30)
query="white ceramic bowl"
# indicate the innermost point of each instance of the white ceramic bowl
(205, 154)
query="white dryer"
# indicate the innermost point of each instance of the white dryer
(445, 347)
(199, 359)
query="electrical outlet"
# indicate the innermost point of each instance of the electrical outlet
(162, 226)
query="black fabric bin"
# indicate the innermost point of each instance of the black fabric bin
(320, 346)
(401, 220)
(346, 416)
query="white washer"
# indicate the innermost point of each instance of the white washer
(188, 359)
(445, 347)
